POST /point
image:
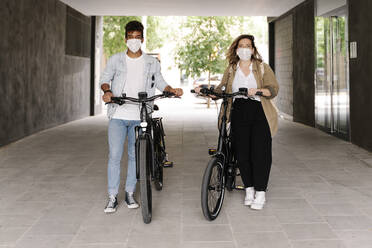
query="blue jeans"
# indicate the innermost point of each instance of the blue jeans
(117, 132)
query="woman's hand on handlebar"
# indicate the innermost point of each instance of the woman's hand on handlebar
(107, 97)
(261, 92)
(197, 90)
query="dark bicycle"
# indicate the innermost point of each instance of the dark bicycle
(221, 170)
(151, 157)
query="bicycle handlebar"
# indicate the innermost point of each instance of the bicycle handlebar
(241, 92)
(142, 97)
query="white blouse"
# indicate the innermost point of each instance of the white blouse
(242, 81)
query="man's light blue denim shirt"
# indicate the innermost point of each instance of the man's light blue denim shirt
(115, 74)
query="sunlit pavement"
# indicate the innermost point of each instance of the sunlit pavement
(53, 190)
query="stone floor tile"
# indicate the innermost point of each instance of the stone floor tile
(254, 224)
(211, 233)
(9, 235)
(101, 235)
(262, 239)
(297, 216)
(54, 228)
(308, 231)
(45, 241)
(349, 222)
(346, 209)
(318, 244)
(221, 244)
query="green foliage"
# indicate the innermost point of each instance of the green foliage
(203, 47)
(320, 35)
(114, 33)
(154, 39)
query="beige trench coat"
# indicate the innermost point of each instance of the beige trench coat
(266, 80)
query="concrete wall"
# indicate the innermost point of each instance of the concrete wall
(304, 62)
(360, 30)
(284, 63)
(302, 34)
(40, 86)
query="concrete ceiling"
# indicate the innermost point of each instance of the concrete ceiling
(183, 7)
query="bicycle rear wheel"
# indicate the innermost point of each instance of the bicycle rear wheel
(145, 181)
(158, 176)
(213, 189)
(158, 164)
(160, 154)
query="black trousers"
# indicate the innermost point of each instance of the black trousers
(251, 142)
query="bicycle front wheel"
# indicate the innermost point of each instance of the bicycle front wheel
(145, 181)
(213, 189)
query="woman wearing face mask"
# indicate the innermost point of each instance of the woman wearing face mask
(254, 119)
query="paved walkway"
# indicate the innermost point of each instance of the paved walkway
(53, 191)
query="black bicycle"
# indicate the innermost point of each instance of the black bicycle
(151, 156)
(221, 170)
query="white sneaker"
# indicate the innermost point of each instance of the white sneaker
(259, 200)
(249, 196)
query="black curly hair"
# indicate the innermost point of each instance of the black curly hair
(133, 26)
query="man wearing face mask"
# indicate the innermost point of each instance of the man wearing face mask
(254, 119)
(129, 72)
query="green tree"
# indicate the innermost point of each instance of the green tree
(203, 48)
(154, 31)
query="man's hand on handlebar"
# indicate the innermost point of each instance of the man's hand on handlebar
(107, 97)
(176, 91)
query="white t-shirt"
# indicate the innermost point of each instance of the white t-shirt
(242, 81)
(134, 84)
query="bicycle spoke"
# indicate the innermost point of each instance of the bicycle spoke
(214, 189)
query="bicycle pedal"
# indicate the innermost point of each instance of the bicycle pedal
(212, 151)
(239, 187)
(168, 164)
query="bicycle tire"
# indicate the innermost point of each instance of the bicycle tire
(159, 154)
(158, 177)
(145, 182)
(158, 182)
(211, 209)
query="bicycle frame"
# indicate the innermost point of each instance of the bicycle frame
(146, 128)
(223, 144)
(224, 149)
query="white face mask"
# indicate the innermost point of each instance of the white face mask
(134, 45)
(244, 53)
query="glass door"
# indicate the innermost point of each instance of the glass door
(331, 75)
